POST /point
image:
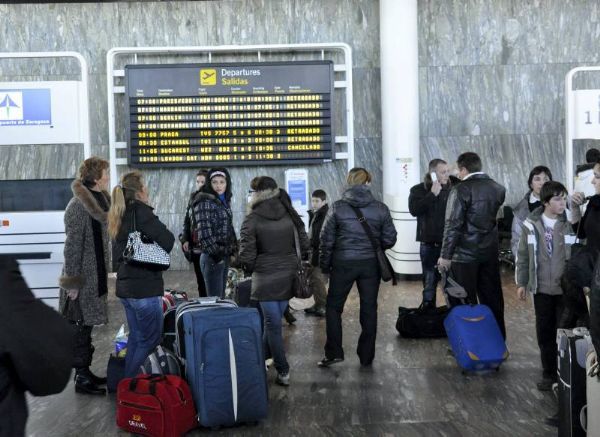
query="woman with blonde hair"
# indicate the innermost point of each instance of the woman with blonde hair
(83, 283)
(348, 256)
(140, 287)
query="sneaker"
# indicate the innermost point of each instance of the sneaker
(283, 379)
(326, 362)
(311, 310)
(545, 384)
(552, 420)
(319, 312)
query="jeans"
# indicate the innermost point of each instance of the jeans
(215, 275)
(272, 336)
(145, 320)
(430, 254)
(342, 278)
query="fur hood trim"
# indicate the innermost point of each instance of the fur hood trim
(89, 202)
(260, 197)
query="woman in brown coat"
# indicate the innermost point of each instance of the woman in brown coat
(268, 250)
(84, 280)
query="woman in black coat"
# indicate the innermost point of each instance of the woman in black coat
(268, 250)
(140, 287)
(348, 255)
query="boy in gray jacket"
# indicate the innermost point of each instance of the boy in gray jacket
(544, 248)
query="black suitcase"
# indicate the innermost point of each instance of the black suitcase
(420, 323)
(572, 351)
(115, 372)
(242, 292)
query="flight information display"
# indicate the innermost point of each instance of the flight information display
(198, 115)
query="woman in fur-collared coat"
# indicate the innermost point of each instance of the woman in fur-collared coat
(83, 296)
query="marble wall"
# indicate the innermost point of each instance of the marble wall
(92, 29)
(492, 81)
(491, 77)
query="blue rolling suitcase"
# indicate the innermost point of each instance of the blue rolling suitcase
(473, 333)
(224, 362)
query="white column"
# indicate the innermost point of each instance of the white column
(400, 124)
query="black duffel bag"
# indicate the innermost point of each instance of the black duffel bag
(422, 323)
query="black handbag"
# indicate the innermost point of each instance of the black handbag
(385, 267)
(300, 289)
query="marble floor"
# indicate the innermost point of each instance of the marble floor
(413, 389)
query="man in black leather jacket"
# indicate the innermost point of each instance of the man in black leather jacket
(470, 244)
(348, 255)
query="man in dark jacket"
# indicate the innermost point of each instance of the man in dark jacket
(347, 253)
(470, 244)
(36, 349)
(427, 201)
(316, 281)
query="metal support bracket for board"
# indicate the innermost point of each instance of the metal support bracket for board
(344, 69)
(83, 96)
(570, 122)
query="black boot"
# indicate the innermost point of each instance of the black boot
(98, 380)
(84, 383)
(289, 317)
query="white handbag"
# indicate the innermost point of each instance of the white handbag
(144, 252)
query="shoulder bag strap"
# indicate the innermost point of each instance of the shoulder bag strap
(134, 227)
(297, 243)
(363, 221)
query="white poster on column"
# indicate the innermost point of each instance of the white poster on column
(40, 113)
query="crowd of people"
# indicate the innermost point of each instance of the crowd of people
(456, 227)
(457, 231)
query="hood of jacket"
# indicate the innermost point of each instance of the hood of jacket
(199, 196)
(536, 215)
(358, 196)
(267, 204)
(83, 194)
(583, 168)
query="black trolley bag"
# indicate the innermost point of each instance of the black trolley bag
(573, 347)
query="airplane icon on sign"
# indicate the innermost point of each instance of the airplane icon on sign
(208, 76)
(8, 103)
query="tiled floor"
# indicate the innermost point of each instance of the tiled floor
(413, 389)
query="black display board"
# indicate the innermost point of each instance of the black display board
(199, 115)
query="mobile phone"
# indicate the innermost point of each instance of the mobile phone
(433, 176)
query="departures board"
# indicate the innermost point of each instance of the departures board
(199, 115)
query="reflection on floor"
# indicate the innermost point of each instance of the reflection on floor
(413, 389)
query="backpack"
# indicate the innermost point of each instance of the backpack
(161, 361)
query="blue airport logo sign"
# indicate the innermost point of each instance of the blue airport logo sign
(27, 107)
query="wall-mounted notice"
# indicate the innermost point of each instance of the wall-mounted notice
(40, 113)
(586, 116)
(230, 114)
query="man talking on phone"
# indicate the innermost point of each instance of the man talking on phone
(427, 202)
